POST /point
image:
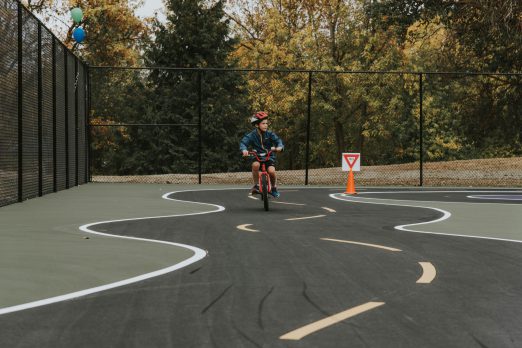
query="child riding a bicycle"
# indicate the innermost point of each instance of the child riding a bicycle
(262, 140)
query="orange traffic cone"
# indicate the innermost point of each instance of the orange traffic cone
(350, 185)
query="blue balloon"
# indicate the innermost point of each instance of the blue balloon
(79, 34)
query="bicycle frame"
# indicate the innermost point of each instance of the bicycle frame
(262, 170)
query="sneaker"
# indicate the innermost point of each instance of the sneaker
(255, 189)
(275, 193)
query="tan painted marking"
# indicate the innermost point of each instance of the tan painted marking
(329, 209)
(428, 273)
(365, 244)
(278, 202)
(306, 217)
(334, 319)
(245, 228)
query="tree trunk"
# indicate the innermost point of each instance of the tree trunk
(339, 137)
(361, 127)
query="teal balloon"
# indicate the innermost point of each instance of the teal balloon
(79, 34)
(77, 14)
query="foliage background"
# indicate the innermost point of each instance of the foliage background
(466, 116)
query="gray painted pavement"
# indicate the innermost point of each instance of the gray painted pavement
(43, 252)
(468, 217)
(252, 288)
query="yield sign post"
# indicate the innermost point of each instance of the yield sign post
(351, 162)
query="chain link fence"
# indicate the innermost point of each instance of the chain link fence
(412, 129)
(63, 123)
(43, 109)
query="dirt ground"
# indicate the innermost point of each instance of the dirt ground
(495, 172)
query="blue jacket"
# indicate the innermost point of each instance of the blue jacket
(253, 140)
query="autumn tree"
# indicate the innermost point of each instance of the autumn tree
(348, 112)
(466, 116)
(114, 37)
(196, 35)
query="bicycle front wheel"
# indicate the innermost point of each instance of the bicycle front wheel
(264, 191)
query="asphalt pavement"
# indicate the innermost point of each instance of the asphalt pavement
(314, 271)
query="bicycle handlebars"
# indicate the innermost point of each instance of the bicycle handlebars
(265, 155)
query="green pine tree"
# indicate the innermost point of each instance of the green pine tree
(194, 36)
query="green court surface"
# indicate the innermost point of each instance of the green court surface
(44, 253)
(483, 220)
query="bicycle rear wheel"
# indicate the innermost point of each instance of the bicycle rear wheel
(264, 191)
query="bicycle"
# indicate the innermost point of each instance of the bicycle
(265, 187)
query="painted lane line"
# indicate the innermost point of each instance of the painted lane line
(365, 244)
(334, 319)
(428, 273)
(245, 228)
(444, 191)
(329, 209)
(198, 255)
(445, 202)
(306, 217)
(446, 215)
(289, 203)
(252, 197)
(498, 197)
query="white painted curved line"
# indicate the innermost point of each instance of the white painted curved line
(252, 197)
(329, 209)
(443, 191)
(245, 228)
(198, 255)
(445, 216)
(364, 244)
(428, 273)
(498, 197)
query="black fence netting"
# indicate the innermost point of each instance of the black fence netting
(47, 113)
(42, 109)
(29, 106)
(82, 147)
(60, 163)
(184, 125)
(141, 131)
(71, 121)
(8, 103)
(375, 115)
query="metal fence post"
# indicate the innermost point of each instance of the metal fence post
(200, 147)
(421, 126)
(307, 160)
(20, 114)
(40, 107)
(55, 184)
(66, 93)
(87, 124)
(76, 138)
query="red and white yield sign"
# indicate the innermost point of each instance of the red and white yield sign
(351, 161)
